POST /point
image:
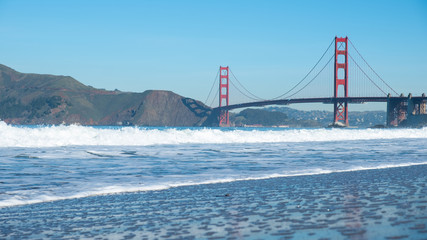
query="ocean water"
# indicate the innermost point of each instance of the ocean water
(56, 164)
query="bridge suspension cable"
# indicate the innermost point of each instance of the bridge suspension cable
(254, 97)
(366, 75)
(371, 68)
(311, 70)
(213, 85)
(311, 79)
(237, 86)
(213, 99)
(360, 70)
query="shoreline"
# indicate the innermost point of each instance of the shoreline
(170, 186)
(369, 204)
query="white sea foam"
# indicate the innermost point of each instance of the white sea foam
(53, 136)
(186, 164)
(119, 189)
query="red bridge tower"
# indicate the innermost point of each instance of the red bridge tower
(223, 96)
(341, 80)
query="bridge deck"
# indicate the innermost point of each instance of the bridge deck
(329, 100)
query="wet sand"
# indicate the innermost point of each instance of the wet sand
(371, 204)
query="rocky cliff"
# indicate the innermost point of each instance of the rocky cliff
(50, 99)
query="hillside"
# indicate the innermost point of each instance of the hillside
(269, 118)
(50, 99)
(324, 118)
(281, 116)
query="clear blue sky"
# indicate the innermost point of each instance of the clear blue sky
(179, 45)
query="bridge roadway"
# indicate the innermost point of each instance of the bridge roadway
(326, 100)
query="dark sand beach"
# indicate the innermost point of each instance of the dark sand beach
(370, 204)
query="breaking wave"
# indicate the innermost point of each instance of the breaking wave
(54, 136)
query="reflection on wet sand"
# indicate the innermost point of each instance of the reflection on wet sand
(385, 203)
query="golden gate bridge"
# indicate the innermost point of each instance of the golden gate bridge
(340, 77)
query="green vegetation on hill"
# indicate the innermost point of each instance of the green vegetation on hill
(276, 116)
(49, 99)
(324, 118)
(268, 118)
(38, 107)
(259, 116)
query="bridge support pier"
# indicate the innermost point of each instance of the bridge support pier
(416, 106)
(404, 108)
(396, 110)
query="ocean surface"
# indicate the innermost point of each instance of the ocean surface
(62, 167)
